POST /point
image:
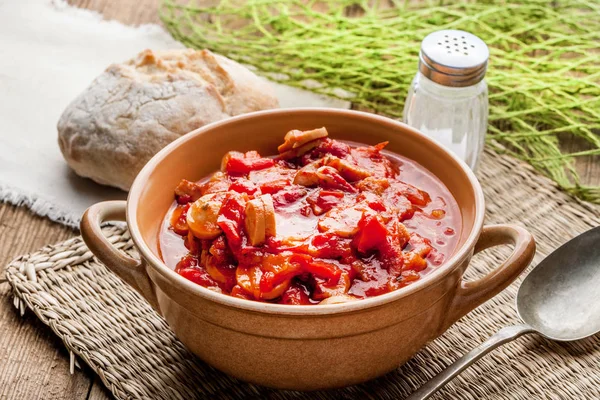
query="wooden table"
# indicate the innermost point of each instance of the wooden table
(34, 364)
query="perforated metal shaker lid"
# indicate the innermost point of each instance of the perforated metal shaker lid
(453, 58)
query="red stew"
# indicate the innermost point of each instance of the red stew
(323, 222)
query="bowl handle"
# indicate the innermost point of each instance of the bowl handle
(127, 268)
(470, 295)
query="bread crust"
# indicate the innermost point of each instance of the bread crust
(134, 109)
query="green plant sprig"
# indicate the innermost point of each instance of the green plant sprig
(544, 72)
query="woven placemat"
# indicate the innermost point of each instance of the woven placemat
(111, 328)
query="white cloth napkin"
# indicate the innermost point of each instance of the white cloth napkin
(49, 53)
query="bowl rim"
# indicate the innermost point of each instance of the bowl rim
(284, 309)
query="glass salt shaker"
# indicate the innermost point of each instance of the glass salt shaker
(448, 98)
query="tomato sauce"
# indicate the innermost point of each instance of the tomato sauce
(325, 221)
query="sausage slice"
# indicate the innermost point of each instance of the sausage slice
(255, 222)
(260, 219)
(270, 224)
(202, 216)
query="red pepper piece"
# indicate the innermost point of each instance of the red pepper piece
(376, 205)
(267, 282)
(415, 195)
(322, 269)
(274, 245)
(372, 287)
(301, 259)
(243, 186)
(275, 272)
(231, 218)
(328, 199)
(325, 270)
(184, 199)
(329, 178)
(333, 147)
(380, 146)
(237, 291)
(374, 201)
(372, 233)
(274, 186)
(198, 276)
(252, 161)
(329, 245)
(186, 261)
(289, 195)
(297, 294)
(391, 257)
(221, 252)
(323, 200)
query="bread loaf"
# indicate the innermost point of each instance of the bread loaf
(134, 109)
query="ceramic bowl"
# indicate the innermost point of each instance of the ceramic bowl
(303, 347)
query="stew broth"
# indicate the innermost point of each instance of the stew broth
(325, 221)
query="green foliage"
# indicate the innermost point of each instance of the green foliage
(544, 73)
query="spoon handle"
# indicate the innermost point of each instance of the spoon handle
(504, 335)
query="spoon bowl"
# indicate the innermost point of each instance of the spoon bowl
(559, 300)
(560, 297)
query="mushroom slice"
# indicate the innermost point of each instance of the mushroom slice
(276, 291)
(299, 151)
(330, 172)
(255, 222)
(295, 138)
(307, 175)
(270, 223)
(248, 278)
(213, 270)
(330, 178)
(202, 216)
(347, 170)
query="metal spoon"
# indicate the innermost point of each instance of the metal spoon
(559, 300)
